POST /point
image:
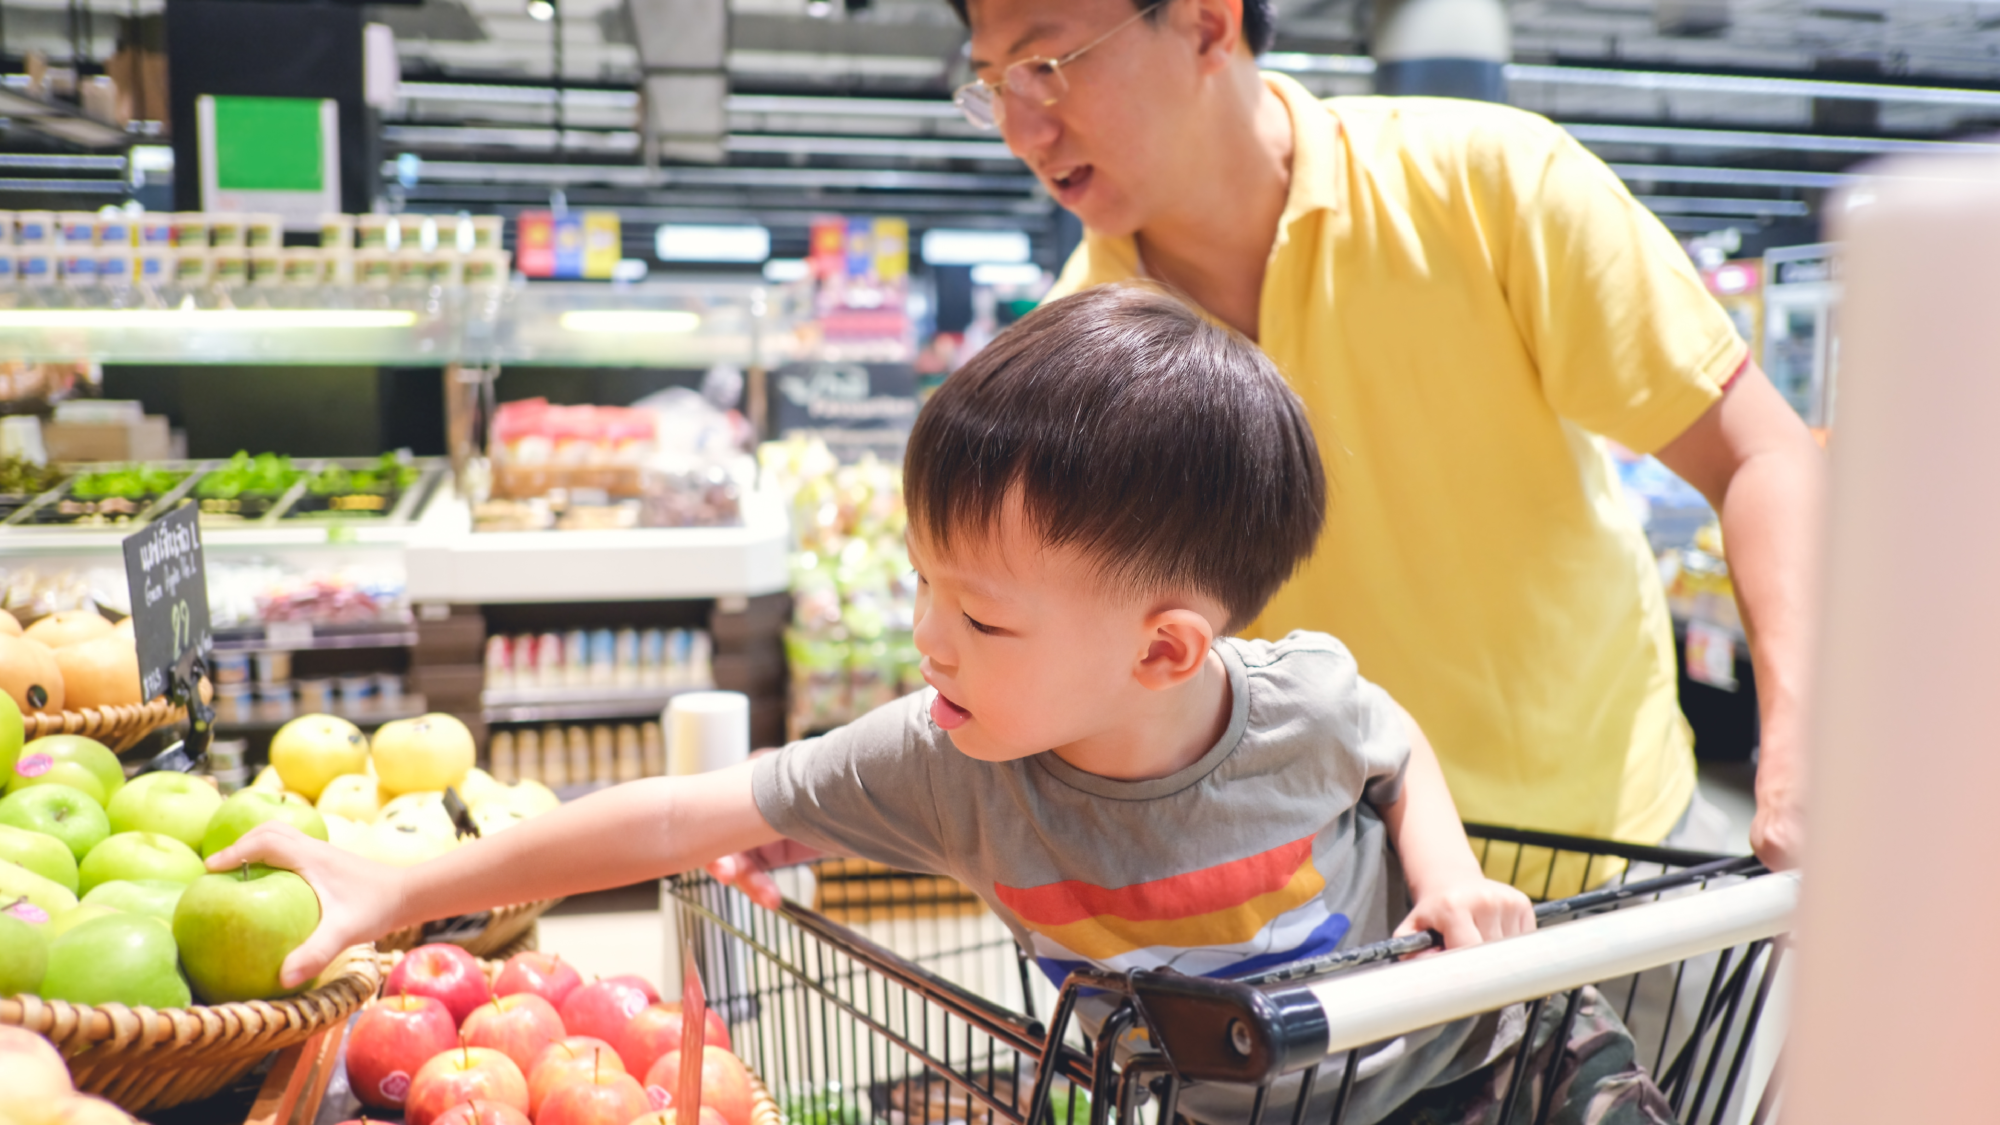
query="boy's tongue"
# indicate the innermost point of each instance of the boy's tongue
(947, 714)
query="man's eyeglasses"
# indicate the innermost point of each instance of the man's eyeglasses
(1037, 81)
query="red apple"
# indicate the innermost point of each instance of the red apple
(603, 1008)
(481, 1113)
(657, 1029)
(725, 1085)
(464, 1074)
(667, 1116)
(444, 971)
(573, 1059)
(392, 1040)
(544, 974)
(609, 1097)
(519, 1026)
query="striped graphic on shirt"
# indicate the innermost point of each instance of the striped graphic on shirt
(1231, 918)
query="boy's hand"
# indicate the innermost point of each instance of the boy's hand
(750, 872)
(1469, 912)
(359, 899)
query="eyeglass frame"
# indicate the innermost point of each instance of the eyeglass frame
(994, 93)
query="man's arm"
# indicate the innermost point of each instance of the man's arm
(1754, 460)
(627, 834)
(1449, 892)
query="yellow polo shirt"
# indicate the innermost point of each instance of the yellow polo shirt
(1464, 298)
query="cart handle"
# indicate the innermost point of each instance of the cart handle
(1276, 1030)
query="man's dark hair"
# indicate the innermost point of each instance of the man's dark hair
(1260, 20)
(1165, 447)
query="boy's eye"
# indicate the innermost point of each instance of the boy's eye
(980, 625)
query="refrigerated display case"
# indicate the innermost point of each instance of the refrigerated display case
(1801, 349)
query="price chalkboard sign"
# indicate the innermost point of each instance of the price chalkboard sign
(169, 581)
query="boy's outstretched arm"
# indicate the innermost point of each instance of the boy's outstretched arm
(627, 834)
(1448, 891)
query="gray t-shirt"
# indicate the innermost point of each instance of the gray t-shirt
(1266, 851)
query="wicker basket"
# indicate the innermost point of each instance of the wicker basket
(507, 926)
(120, 727)
(148, 1060)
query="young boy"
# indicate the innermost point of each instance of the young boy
(1096, 501)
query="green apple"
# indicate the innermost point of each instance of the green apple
(63, 921)
(312, 750)
(139, 855)
(24, 956)
(13, 732)
(60, 811)
(72, 760)
(121, 959)
(172, 804)
(235, 929)
(45, 895)
(154, 897)
(248, 808)
(44, 855)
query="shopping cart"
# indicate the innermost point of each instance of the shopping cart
(918, 1011)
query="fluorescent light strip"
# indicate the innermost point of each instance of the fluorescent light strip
(1361, 66)
(183, 319)
(630, 321)
(1712, 205)
(842, 107)
(583, 140)
(1788, 142)
(29, 162)
(1744, 177)
(914, 149)
(631, 175)
(515, 95)
(65, 187)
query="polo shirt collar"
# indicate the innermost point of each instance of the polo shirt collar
(1315, 151)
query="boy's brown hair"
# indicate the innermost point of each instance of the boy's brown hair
(1166, 447)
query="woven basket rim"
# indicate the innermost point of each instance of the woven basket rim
(119, 726)
(162, 707)
(215, 1031)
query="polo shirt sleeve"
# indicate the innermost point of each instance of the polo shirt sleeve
(1628, 341)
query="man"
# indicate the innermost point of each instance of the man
(1464, 298)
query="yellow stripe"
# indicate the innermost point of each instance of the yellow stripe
(1105, 936)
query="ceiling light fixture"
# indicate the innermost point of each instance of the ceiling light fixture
(541, 11)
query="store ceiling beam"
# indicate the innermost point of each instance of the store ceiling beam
(1783, 142)
(1712, 205)
(908, 148)
(1757, 86)
(807, 106)
(35, 162)
(493, 93)
(11, 185)
(1741, 177)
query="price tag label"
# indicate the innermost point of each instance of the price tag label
(289, 634)
(169, 582)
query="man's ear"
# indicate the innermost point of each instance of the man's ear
(1219, 27)
(1177, 642)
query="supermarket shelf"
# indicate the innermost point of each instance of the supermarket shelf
(263, 717)
(447, 562)
(552, 705)
(683, 323)
(282, 637)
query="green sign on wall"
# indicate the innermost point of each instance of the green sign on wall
(268, 144)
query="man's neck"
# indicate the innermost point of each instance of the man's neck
(1214, 243)
(1166, 732)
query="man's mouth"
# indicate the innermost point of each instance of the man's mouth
(1070, 181)
(948, 715)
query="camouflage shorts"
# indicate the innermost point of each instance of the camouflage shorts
(1597, 1081)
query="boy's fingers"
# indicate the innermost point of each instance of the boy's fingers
(272, 842)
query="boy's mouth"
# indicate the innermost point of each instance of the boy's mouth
(948, 715)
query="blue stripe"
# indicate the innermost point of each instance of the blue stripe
(1324, 939)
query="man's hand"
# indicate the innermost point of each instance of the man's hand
(749, 871)
(1469, 912)
(359, 899)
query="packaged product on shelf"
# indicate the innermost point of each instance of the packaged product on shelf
(357, 690)
(528, 756)
(549, 660)
(336, 231)
(603, 754)
(578, 743)
(303, 266)
(154, 267)
(652, 750)
(603, 657)
(653, 658)
(388, 687)
(34, 266)
(153, 230)
(79, 267)
(230, 265)
(192, 267)
(263, 232)
(373, 268)
(625, 658)
(631, 763)
(191, 230)
(486, 267)
(486, 232)
(114, 265)
(77, 229)
(7, 266)
(500, 664)
(316, 695)
(576, 658)
(500, 758)
(226, 231)
(34, 228)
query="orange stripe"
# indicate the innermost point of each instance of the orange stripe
(1106, 936)
(1180, 896)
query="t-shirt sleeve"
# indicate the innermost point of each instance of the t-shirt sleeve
(1628, 341)
(862, 790)
(1380, 742)
(1321, 689)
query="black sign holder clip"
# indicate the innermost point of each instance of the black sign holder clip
(184, 689)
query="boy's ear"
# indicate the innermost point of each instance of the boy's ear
(1177, 642)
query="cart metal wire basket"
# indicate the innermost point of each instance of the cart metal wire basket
(918, 1011)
